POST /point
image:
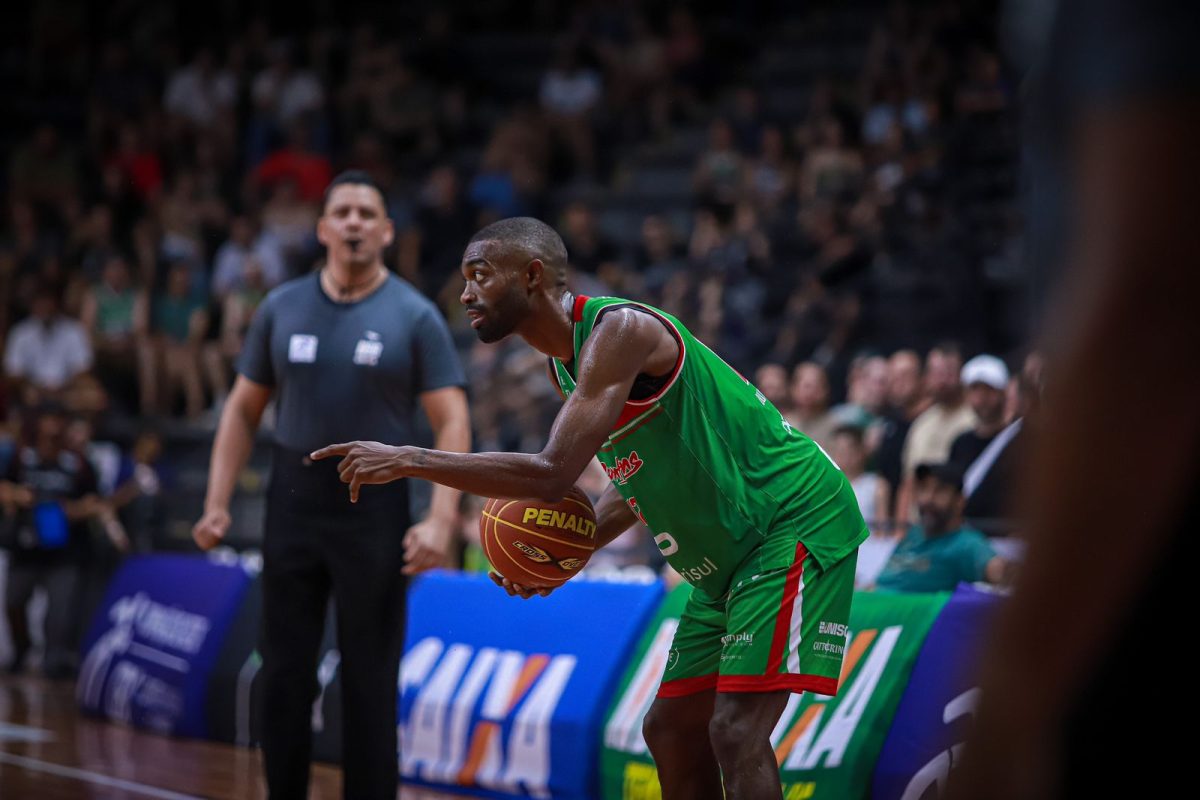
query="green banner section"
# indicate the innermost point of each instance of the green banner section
(826, 746)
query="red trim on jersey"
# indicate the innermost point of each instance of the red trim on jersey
(819, 684)
(783, 622)
(577, 309)
(681, 687)
(627, 414)
(679, 359)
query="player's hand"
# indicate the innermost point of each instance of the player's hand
(516, 589)
(427, 544)
(211, 529)
(365, 463)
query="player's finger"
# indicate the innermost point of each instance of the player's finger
(346, 468)
(331, 450)
(355, 485)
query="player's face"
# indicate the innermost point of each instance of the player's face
(493, 294)
(355, 226)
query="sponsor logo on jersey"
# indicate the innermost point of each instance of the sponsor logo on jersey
(549, 518)
(625, 468)
(532, 553)
(697, 573)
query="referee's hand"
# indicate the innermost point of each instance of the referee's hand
(210, 530)
(364, 463)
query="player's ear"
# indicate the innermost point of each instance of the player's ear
(389, 233)
(535, 274)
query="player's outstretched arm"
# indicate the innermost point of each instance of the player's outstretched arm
(614, 354)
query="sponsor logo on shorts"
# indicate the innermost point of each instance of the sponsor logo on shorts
(624, 468)
(733, 639)
(533, 553)
(672, 658)
(834, 629)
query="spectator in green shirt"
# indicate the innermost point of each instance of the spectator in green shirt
(940, 552)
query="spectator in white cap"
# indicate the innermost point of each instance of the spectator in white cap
(986, 380)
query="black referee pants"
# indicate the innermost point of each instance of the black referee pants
(318, 543)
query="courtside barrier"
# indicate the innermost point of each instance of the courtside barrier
(826, 747)
(152, 645)
(508, 695)
(937, 707)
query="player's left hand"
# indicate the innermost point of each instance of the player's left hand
(365, 463)
(427, 544)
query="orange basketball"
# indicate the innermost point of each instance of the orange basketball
(538, 544)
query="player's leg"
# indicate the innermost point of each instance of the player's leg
(740, 733)
(676, 726)
(676, 731)
(21, 582)
(787, 633)
(295, 593)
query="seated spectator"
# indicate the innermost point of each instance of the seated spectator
(937, 427)
(290, 220)
(137, 500)
(243, 244)
(48, 352)
(569, 93)
(718, 174)
(873, 494)
(772, 380)
(238, 309)
(115, 316)
(831, 170)
(297, 162)
(810, 404)
(940, 552)
(589, 250)
(986, 379)
(771, 177)
(47, 495)
(171, 356)
(866, 397)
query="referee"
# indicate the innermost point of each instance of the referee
(347, 353)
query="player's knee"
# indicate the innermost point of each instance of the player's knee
(731, 733)
(656, 728)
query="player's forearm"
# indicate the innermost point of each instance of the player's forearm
(530, 475)
(453, 436)
(231, 451)
(613, 516)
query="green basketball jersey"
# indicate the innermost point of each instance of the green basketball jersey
(714, 470)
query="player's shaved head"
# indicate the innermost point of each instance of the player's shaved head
(523, 239)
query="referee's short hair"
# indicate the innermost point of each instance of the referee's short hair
(532, 237)
(357, 177)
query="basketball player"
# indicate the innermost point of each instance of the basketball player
(747, 509)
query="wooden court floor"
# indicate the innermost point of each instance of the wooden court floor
(49, 752)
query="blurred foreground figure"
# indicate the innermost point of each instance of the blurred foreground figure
(1081, 686)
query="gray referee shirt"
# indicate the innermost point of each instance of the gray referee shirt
(347, 371)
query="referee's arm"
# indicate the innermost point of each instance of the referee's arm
(427, 543)
(231, 449)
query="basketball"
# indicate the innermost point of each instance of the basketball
(537, 544)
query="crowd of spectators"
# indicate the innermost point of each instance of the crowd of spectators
(167, 167)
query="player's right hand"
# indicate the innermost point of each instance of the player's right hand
(211, 529)
(516, 589)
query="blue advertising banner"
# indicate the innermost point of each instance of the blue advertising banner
(508, 695)
(935, 712)
(151, 647)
